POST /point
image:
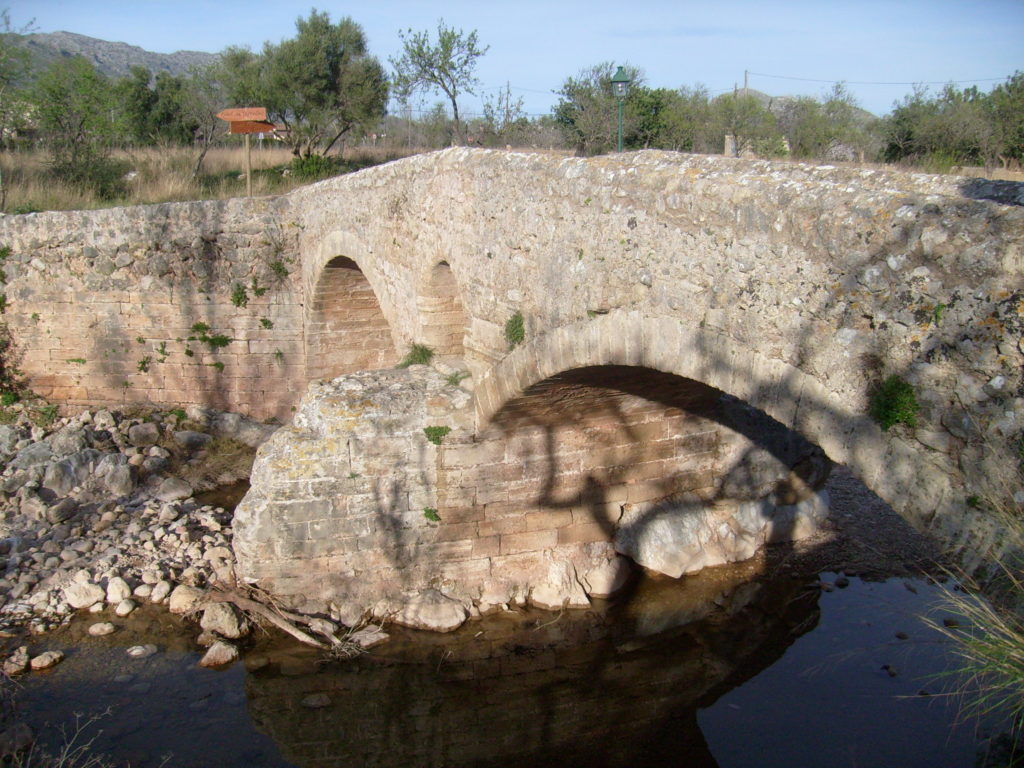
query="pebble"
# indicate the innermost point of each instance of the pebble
(141, 651)
(47, 659)
(125, 607)
(219, 654)
(101, 628)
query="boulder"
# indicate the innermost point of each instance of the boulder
(161, 590)
(223, 619)
(31, 456)
(47, 659)
(433, 611)
(185, 599)
(143, 435)
(61, 511)
(125, 607)
(79, 595)
(17, 662)
(219, 654)
(191, 440)
(101, 628)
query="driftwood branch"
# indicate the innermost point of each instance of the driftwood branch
(280, 619)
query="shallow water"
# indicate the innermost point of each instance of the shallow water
(712, 670)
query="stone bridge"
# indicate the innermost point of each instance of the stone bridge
(700, 336)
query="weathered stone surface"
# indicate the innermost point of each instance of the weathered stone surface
(102, 628)
(47, 659)
(433, 611)
(224, 620)
(185, 599)
(17, 662)
(143, 435)
(173, 489)
(118, 590)
(83, 595)
(369, 637)
(219, 654)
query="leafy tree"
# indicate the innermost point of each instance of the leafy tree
(76, 115)
(504, 118)
(1006, 105)
(323, 85)
(587, 110)
(446, 66)
(745, 118)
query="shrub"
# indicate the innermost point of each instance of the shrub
(894, 402)
(515, 330)
(313, 167)
(431, 514)
(419, 354)
(102, 176)
(435, 434)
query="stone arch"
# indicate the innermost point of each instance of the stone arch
(441, 314)
(792, 397)
(346, 330)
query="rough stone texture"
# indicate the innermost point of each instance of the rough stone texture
(81, 595)
(47, 659)
(792, 287)
(432, 610)
(219, 654)
(222, 619)
(185, 599)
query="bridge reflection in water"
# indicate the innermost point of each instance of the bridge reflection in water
(617, 685)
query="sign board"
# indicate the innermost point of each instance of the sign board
(243, 114)
(250, 126)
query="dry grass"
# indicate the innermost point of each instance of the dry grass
(164, 174)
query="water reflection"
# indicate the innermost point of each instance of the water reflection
(601, 688)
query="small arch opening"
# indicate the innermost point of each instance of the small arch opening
(442, 317)
(347, 330)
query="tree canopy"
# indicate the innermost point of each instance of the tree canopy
(447, 65)
(322, 85)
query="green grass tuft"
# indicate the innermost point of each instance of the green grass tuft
(894, 402)
(436, 434)
(419, 354)
(515, 330)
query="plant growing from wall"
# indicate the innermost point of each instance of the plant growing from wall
(436, 434)
(266, 322)
(515, 330)
(419, 354)
(144, 363)
(239, 296)
(894, 402)
(431, 514)
(279, 269)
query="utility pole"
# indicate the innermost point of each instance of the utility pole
(745, 74)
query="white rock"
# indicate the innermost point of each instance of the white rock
(219, 654)
(607, 579)
(125, 607)
(184, 599)
(47, 660)
(118, 590)
(433, 611)
(141, 651)
(224, 620)
(368, 637)
(160, 591)
(101, 628)
(81, 595)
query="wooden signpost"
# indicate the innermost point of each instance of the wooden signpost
(246, 120)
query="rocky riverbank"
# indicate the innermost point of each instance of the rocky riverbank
(99, 510)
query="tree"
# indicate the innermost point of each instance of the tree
(1006, 104)
(14, 61)
(504, 117)
(322, 85)
(745, 118)
(587, 109)
(446, 66)
(77, 117)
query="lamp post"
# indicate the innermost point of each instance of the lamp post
(620, 88)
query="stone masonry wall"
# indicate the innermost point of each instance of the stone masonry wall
(104, 305)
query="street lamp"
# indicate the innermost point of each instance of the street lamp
(620, 88)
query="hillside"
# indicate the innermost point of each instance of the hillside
(112, 59)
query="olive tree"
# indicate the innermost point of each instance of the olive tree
(322, 85)
(446, 65)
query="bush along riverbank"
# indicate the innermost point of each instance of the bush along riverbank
(100, 512)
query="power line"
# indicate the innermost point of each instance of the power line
(874, 82)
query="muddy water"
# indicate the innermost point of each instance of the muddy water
(726, 668)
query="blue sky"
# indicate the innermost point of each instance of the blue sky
(536, 44)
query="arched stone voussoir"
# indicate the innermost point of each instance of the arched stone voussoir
(792, 397)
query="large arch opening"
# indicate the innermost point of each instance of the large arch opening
(442, 317)
(347, 330)
(671, 472)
